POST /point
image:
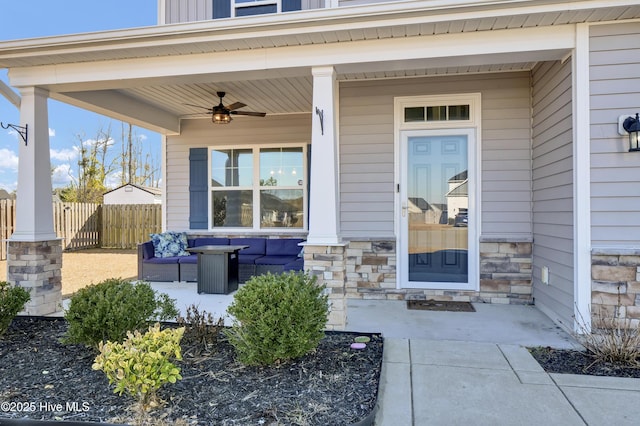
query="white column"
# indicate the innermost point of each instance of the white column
(34, 210)
(581, 179)
(323, 194)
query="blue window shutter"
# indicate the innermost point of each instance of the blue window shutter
(290, 5)
(221, 9)
(198, 209)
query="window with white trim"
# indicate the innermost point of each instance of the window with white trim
(258, 188)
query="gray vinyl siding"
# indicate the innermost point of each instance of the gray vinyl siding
(243, 131)
(367, 190)
(614, 74)
(553, 189)
(188, 10)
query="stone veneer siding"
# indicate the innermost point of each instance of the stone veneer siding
(615, 284)
(36, 267)
(367, 270)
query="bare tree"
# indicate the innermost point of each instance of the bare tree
(136, 167)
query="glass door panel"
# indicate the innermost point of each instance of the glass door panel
(435, 210)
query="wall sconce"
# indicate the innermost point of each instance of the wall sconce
(630, 126)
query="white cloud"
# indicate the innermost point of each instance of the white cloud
(52, 132)
(9, 187)
(143, 137)
(64, 154)
(8, 160)
(62, 175)
(113, 180)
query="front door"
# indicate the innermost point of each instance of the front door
(436, 209)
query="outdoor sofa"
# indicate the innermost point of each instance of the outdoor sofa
(262, 255)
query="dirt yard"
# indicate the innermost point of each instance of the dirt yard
(83, 267)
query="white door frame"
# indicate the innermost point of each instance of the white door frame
(472, 129)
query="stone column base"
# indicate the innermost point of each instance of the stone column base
(327, 263)
(36, 266)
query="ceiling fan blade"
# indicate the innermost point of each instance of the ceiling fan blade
(251, 113)
(235, 105)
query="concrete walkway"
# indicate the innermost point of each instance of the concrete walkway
(453, 368)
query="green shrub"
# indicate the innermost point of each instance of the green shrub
(277, 317)
(12, 300)
(107, 310)
(142, 363)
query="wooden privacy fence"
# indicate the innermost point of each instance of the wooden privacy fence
(126, 225)
(88, 225)
(78, 224)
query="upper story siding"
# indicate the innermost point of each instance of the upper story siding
(614, 74)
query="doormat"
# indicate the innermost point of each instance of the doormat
(440, 305)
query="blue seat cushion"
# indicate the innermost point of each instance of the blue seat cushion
(210, 241)
(163, 260)
(192, 259)
(256, 245)
(275, 260)
(296, 265)
(248, 259)
(283, 247)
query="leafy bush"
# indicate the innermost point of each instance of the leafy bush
(142, 363)
(201, 330)
(108, 310)
(12, 300)
(277, 317)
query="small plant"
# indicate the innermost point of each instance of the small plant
(108, 310)
(142, 363)
(201, 330)
(611, 338)
(277, 317)
(12, 300)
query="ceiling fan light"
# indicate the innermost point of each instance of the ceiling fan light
(221, 118)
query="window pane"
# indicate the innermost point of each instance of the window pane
(281, 167)
(231, 167)
(413, 114)
(458, 112)
(281, 208)
(256, 10)
(437, 113)
(232, 208)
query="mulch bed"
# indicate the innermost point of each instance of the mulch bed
(568, 361)
(42, 378)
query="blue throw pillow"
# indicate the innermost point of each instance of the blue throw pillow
(169, 244)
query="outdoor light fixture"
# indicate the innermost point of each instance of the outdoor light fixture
(221, 117)
(632, 127)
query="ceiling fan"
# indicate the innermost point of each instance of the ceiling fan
(221, 114)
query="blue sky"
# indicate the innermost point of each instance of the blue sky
(67, 124)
